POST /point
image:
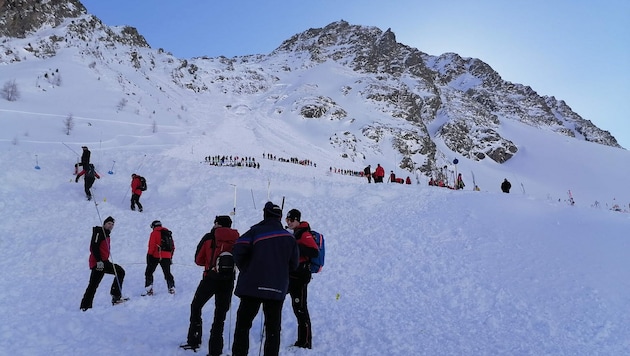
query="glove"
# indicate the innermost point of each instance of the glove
(100, 265)
(76, 180)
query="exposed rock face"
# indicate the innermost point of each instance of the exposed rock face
(18, 18)
(419, 100)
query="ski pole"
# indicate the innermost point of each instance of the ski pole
(262, 334)
(111, 171)
(37, 163)
(268, 188)
(253, 201)
(109, 247)
(70, 148)
(234, 208)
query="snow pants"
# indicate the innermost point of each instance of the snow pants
(95, 280)
(298, 289)
(152, 264)
(222, 292)
(247, 311)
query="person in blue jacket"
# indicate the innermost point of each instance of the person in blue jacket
(264, 255)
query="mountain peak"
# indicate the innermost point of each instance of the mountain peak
(18, 18)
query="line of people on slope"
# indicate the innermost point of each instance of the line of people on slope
(272, 263)
(303, 162)
(232, 161)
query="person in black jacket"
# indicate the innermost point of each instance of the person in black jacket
(90, 175)
(264, 255)
(216, 282)
(367, 173)
(85, 157)
(505, 186)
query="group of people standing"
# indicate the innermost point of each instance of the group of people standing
(100, 264)
(378, 175)
(272, 262)
(90, 175)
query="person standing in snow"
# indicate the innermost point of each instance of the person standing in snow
(460, 182)
(505, 186)
(136, 192)
(157, 255)
(217, 281)
(90, 176)
(379, 174)
(264, 255)
(367, 173)
(392, 177)
(299, 279)
(100, 264)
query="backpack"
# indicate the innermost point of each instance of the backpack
(166, 244)
(143, 184)
(224, 265)
(317, 263)
(90, 172)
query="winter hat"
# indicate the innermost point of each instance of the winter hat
(272, 210)
(108, 219)
(294, 214)
(156, 223)
(223, 220)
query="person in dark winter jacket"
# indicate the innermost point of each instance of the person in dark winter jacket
(367, 172)
(85, 157)
(299, 279)
(215, 282)
(264, 255)
(156, 255)
(90, 175)
(460, 182)
(505, 186)
(136, 192)
(100, 264)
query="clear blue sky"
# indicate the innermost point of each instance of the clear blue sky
(575, 50)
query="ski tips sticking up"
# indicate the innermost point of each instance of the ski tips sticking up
(37, 163)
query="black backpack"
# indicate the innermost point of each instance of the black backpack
(90, 172)
(167, 240)
(143, 184)
(224, 263)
